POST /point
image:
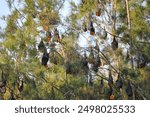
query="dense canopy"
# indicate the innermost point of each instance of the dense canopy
(100, 50)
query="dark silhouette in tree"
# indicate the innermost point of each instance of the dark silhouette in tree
(92, 29)
(114, 43)
(45, 58)
(119, 82)
(110, 80)
(129, 90)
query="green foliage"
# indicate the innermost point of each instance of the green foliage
(66, 75)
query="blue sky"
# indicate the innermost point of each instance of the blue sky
(4, 10)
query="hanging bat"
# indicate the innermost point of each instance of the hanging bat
(114, 43)
(45, 59)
